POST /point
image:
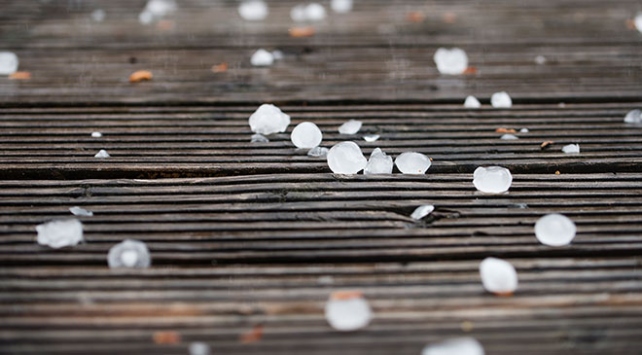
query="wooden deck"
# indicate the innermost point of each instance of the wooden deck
(245, 234)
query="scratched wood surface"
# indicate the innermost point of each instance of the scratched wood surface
(245, 235)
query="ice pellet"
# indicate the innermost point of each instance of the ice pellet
(8, 63)
(129, 253)
(341, 6)
(199, 348)
(379, 163)
(253, 10)
(455, 346)
(277, 54)
(268, 119)
(524, 130)
(422, 211)
(371, 137)
(262, 58)
(259, 138)
(347, 311)
(102, 154)
(79, 211)
(412, 163)
(555, 230)
(508, 136)
(318, 152)
(452, 61)
(346, 158)
(492, 179)
(350, 127)
(472, 102)
(98, 15)
(638, 21)
(571, 148)
(96, 134)
(161, 8)
(297, 13)
(60, 233)
(501, 100)
(309, 12)
(145, 17)
(633, 116)
(306, 135)
(498, 276)
(540, 60)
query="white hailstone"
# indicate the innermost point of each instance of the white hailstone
(350, 127)
(306, 135)
(199, 348)
(318, 152)
(348, 313)
(277, 54)
(98, 15)
(78, 211)
(412, 163)
(325, 280)
(379, 163)
(253, 10)
(508, 136)
(309, 12)
(297, 13)
(540, 60)
(501, 100)
(96, 134)
(638, 21)
(452, 61)
(129, 253)
(259, 138)
(145, 17)
(555, 230)
(268, 119)
(472, 102)
(524, 130)
(161, 8)
(60, 233)
(634, 116)
(8, 63)
(262, 58)
(498, 276)
(371, 137)
(102, 154)
(422, 211)
(341, 6)
(571, 148)
(455, 346)
(492, 179)
(346, 158)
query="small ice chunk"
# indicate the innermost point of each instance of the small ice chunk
(259, 138)
(325, 280)
(371, 137)
(98, 15)
(262, 58)
(253, 10)
(452, 61)
(297, 13)
(277, 54)
(350, 127)
(412, 163)
(472, 102)
(145, 17)
(341, 6)
(8, 63)
(422, 211)
(78, 211)
(318, 152)
(347, 311)
(102, 154)
(129, 253)
(492, 179)
(555, 230)
(634, 116)
(379, 163)
(199, 348)
(501, 100)
(498, 276)
(60, 233)
(268, 119)
(96, 134)
(638, 21)
(160, 8)
(540, 60)
(346, 158)
(571, 148)
(306, 135)
(309, 12)
(508, 136)
(524, 130)
(455, 346)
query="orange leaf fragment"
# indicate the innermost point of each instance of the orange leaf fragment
(165, 25)
(345, 295)
(449, 17)
(544, 145)
(166, 337)
(470, 71)
(254, 335)
(140, 75)
(630, 24)
(415, 16)
(505, 130)
(219, 68)
(20, 75)
(298, 32)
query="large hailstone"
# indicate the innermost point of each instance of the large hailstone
(412, 163)
(501, 100)
(350, 127)
(60, 233)
(268, 119)
(347, 311)
(346, 158)
(129, 253)
(498, 276)
(452, 61)
(633, 116)
(8, 63)
(262, 58)
(306, 135)
(253, 10)
(571, 149)
(341, 6)
(555, 230)
(472, 102)
(379, 163)
(455, 346)
(422, 211)
(492, 179)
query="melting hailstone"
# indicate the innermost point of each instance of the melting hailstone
(96, 134)
(540, 60)
(156, 9)
(379, 163)
(347, 311)
(341, 6)
(422, 211)
(129, 253)
(253, 10)
(524, 130)
(102, 154)
(472, 102)
(306, 135)
(350, 127)
(60, 233)
(412, 163)
(309, 12)
(98, 15)
(268, 119)
(555, 230)
(318, 152)
(492, 179)
(455, 346)
(571, 148)
(8, 63)
(199, 348)
(262, 58)
(638, 21)
(346, 158)
(371, 137)
(498, 276)
(452, 61)
(259, 138)
(501, 100)
(508, 137)
(78, 211)
(634, 116)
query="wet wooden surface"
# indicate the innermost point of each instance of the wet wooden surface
(248, 234)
